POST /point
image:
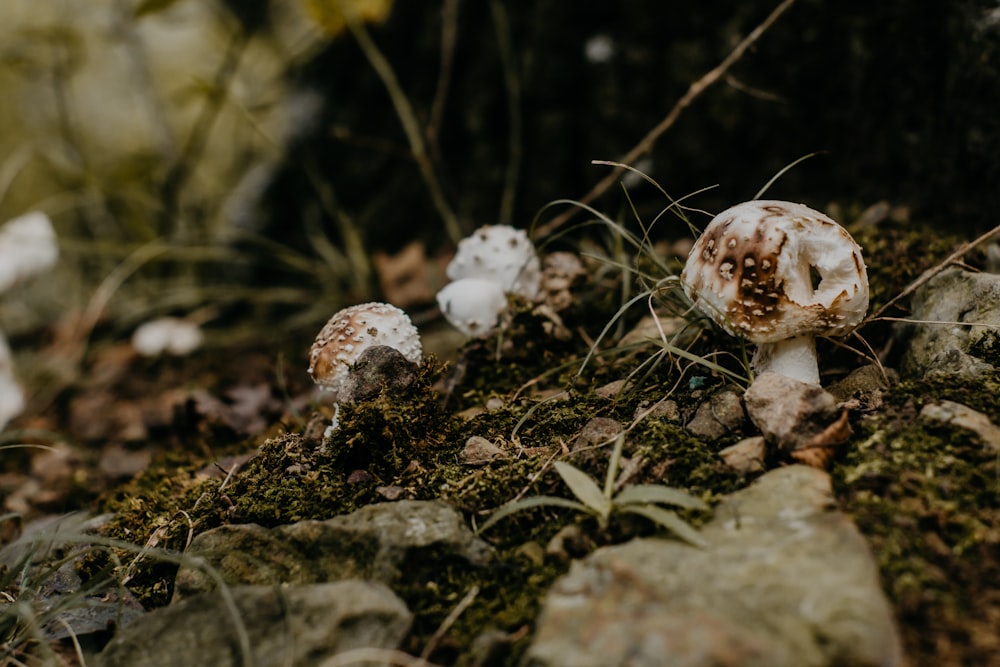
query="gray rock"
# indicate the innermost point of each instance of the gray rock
(282, 625)
(747, 455)
(962, 416)
(666, 409)
(718, 416)
(480, 451)
(597, 432)
(374, 543)
(785, 581)
(789, 413)
(954, 296)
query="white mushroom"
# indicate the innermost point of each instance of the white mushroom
(778, 274)
(494, 261)
(502, 254)
(12, 401)
(472, 305)
(346, 337)
(172, 335)
(28, 247)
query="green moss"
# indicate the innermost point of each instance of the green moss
(161, 509)
(927, 496)
(510, 591)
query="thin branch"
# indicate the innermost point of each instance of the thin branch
(407, 118)
(509, 63)
(449, 35)
(646, 144)
(449, 621)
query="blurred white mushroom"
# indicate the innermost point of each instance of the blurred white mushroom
(171, 335)
(11, 395)
(348, 335)
(778, 274)
(27, 247)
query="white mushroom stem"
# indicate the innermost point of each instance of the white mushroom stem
(793, 357)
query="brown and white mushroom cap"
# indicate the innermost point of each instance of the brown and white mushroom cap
(353, 330)
(771, 270)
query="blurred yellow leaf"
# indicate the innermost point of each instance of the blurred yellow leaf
(332, 15)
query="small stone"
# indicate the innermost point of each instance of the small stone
(480, 451)
(359, 477)
(718, 416)
(391, 492)
(789, 413)
(663, 409)
(747, 455)
(962, 416)
(611, 389)
(494, 403)
(597, 432)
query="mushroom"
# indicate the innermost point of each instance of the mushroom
(502, 254)
(778, 274)
(346, 337)
(173, 335)
(496, 260)
(472, 305)
(28, 247)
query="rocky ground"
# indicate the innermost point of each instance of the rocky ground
(189, 511)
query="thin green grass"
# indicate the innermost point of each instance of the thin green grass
(34, 601)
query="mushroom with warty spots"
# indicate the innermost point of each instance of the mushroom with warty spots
(350, 337)
(778, 274)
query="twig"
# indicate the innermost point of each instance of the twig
(449, 34)
(646, 144)
(509, 62)
(449, 621)
(933, 271)
(407, 118)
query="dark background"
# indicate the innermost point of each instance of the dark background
(901, 99)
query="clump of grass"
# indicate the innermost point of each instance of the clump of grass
(642, 499)
(45, 589)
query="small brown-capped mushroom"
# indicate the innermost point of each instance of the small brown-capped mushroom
(778, 274)
(353, 330)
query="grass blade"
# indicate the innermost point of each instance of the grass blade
(670, 521)
(642, 494)
(584, 488)
(527, 503)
